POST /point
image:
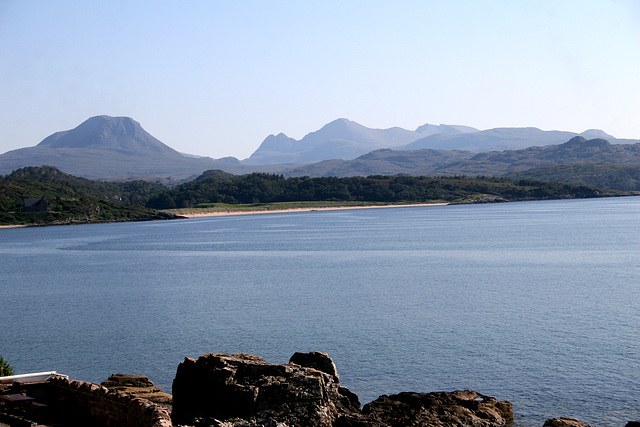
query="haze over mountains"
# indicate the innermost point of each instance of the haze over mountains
(341, 139)
(105, 147)
(344, 139)
(430, 162)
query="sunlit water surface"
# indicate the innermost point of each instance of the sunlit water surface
(537, 303)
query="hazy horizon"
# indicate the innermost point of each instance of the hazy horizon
(215, 79)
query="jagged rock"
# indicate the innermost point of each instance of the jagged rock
(241, 390)
(244, 388)
(458, 408)
(316, 360)
(137, 386)
(565, 422)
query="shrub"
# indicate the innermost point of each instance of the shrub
(6, 369)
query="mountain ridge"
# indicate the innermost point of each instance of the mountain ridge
(341, 138)
(432, 162)
(108, 148)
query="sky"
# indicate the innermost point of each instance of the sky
(215, 78)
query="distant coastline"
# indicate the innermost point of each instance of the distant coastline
(205, 213)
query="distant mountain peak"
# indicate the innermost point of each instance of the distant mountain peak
(338, 125)
(596, 133)
(279, 142)
(122, 134)
(576, 140)
(582, 142)
(429, 129)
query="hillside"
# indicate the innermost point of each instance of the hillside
(72, 199)
(384, 162)
(603, 175)
(261, 188)
(578, 150)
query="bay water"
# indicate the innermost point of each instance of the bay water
(537, 303)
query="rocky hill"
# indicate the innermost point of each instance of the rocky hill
(577, 150)
(602, 175)
(428, 162)
(66, 199)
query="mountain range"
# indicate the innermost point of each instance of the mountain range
(118, 148)
(342, 139)
(345, 140)
(431, 162)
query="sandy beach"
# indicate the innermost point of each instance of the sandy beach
(227, 213)
(205, 213)
(13, 226)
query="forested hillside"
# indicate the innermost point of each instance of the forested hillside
(128, 192)
(78, 200)
(602, 175)
(73, 200)
(269, 188)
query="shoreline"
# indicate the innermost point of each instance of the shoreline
(206, 213)
(268, 211)
(14, 226)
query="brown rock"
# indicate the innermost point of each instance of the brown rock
(316, 360)
(220, 388)
(137, 386)
(565, 422)
(127, 380)
(458, 408)
(240, 390)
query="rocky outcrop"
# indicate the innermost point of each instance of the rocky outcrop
(244, 390)
(79, 403)
(565, 422)
(137, 386)
(243, 387)
(458, 408)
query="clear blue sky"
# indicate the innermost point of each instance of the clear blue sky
(215, 78)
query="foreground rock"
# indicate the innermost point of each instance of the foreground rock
(137, 386)
(458, 408)
(243, 387)
(565, 422)
(243, 390)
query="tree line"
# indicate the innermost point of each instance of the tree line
(72, 198)
(270, 188)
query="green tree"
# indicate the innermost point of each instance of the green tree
(6, 369)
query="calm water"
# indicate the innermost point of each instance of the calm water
(537, 303)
